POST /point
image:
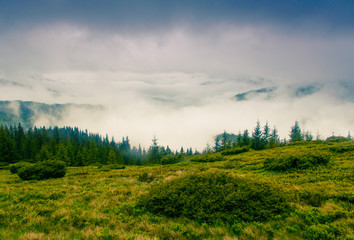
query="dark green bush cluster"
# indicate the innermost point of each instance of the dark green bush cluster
(4, 165)
(17, 166)
(337, 139)
(109, 167)
(42, 170)
(342, 148)
(116, 166)
(297, 161)
(170, 159)
(234, 151)
(146, 177)
(322, 225)
(313, 199)
(215, 196)
(207, 158)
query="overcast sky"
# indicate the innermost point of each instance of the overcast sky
(173, 68)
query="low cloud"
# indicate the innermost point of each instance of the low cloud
(179, 83)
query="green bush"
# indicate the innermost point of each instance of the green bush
(215, 196)
(234, 151)
(342, 147)
(297, 161)
(116, 166)
(207, 158)
(337, 139)
(170, 159)
(42, 170)
(313, 199)
(109, 167)
(4, 165)
(17, 166)
(145, 177)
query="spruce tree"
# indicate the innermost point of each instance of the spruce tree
(266, 136)
(274, 140)
(257, 137)
(246, 140)
(296, 133)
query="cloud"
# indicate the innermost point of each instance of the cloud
(178, 81)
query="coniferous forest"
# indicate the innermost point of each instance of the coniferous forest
(78, 147)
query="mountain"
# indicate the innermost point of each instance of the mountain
(264, 92)
(272, 92)
(27, 112)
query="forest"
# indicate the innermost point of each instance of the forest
(76, 147)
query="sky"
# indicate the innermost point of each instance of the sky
(183, 71)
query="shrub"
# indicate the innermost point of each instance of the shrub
(215, 196)
(42, 170)
(313, 199)
(342, 147)
(207, 158)
(116, 166)
(297, 161)
(170, 159)
(234, 151)
(4, 165)
(109, 167)
(337, 139)
(145, 177)
(17, 166)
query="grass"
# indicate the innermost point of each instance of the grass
(92, 204)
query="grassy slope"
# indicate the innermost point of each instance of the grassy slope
(91, 204)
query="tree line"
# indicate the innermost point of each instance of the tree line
(75, 147)
(80, 148)
(263, 138)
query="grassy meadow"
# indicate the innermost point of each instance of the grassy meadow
(99, 203)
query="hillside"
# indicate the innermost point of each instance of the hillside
(28, 112)
(99, 203)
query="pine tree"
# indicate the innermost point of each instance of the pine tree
(265, 136)
(239, 139)
(112, 157)
(62, 154)
(295, 133)
(7, 146)
(246, 140)
(257, 137)
(216, 144)
(154, 155)
(308, 136)
(274, 140)
(224, 140)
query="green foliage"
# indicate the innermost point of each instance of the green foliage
(346, 146)
(170, 159)
(214, 196)
(109, 167)
(236, 150)
(337, 139)
(17, 166)
(207, 158)
(313, 199)
(116, 166)
(42, 170)
(296, 133)
(146, 177)
(302, 160)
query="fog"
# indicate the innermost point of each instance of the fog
(178, 81)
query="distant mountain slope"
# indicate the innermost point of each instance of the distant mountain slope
(265, 92)
(272, 92)
(27, 112)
